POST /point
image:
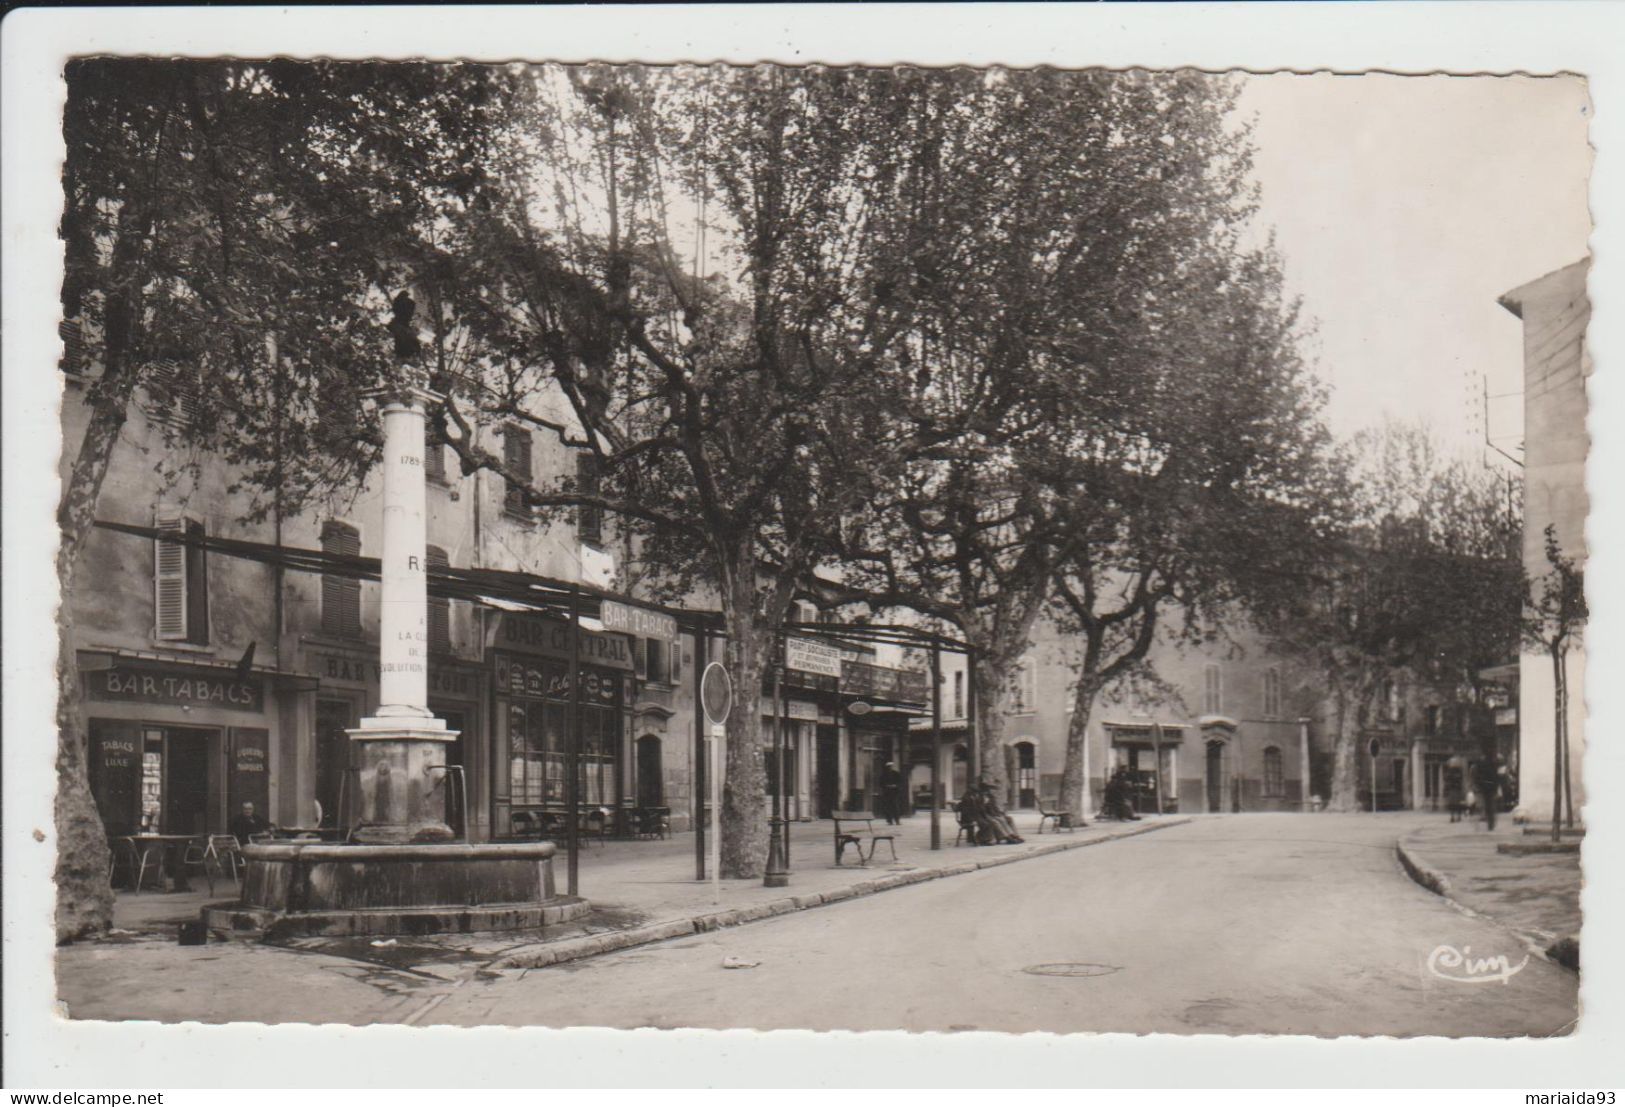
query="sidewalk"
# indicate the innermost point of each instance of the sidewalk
(1537, 895)
(644, 891)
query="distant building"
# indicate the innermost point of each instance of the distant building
(1232, 726)
(1231, 729)
(1555, 312)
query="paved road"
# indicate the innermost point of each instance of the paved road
(1229, 925)
(1241, 924)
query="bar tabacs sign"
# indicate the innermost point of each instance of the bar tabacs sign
(637, 620)
(807, 656)
(175, 688)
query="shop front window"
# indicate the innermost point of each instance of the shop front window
(538, 715)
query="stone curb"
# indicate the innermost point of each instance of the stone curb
(576, 949)
(1423, 873)
(1565, 951)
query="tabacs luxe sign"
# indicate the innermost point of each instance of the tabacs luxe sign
(808, 656)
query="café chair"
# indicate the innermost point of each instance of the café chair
(197, 853)
(136, 857)
(226, 850)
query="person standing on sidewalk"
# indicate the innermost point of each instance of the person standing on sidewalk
(891, 793)
(1489, 789)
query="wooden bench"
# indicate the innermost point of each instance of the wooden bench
(854, 828)
(1061, 817)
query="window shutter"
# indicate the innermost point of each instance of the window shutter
(589, 520)
(197, 587)
(341, 596)
(439, 607)
(640, 658)
(434, 456)
(516, 456)
(675, 651)
(169, 583)
(1215, 701)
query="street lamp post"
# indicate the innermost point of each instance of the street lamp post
(778, 865)
(936, 746)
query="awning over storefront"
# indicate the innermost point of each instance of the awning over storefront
(93, 659)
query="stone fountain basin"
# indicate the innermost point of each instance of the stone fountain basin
(322, 888)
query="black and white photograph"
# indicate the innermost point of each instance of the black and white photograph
(709, 545)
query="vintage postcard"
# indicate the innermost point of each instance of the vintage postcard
(1064, 544)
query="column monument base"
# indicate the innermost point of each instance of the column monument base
(402, 780)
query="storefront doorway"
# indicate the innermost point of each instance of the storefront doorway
(829, 770)
(651, 791)
(334, 717)
(1215, 777)
(185, 758)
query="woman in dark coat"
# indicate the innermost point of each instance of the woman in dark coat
(1003, 828)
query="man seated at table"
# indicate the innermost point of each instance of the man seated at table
(247, 824)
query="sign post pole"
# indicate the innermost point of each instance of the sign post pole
(718, 738)
(702, 656)
(716, 699)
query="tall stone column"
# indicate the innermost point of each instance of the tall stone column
(400, 752)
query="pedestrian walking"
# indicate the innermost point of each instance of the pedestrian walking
(1489, 789)
(891, 793)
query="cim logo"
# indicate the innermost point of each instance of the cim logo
(1459, 965)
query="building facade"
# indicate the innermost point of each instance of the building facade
(1230, 726)
(210, 680)
(1555, 311)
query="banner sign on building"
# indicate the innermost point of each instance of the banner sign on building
(867, 681)
(808, 656)
(551, 638)
(793, 709)
(175, 687)
(637, 620)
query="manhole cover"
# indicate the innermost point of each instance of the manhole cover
(1071, 968)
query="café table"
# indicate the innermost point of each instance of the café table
(169, 848)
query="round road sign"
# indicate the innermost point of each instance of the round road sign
(716, 693)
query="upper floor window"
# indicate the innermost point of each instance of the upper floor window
(657, 660)
(180, 581)
(959, 693)
(1024, 701)
(516, 459)
(1272, 693)
(1212, 689)
(1274, 773)
(589, 520)
(341, 595)
(172, 394)
(439, 607)
(434, 455)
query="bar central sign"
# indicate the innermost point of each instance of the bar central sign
(551, 638)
